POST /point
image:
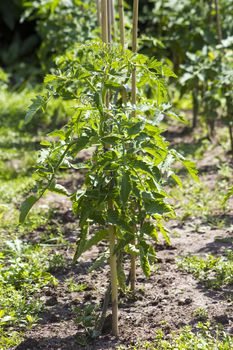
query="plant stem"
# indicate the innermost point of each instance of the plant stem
(195, 106)
(231, 136)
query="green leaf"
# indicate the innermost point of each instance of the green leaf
(121, 276)
(150, 230)
(228, 195)
(190, 166)
(145, 265)
(157, 207)
(59, 189)
(125, 188)
(164, 232)
(97, 237)
(135, 129)
(49, 77)
(111, 139)
(26, 207)
(58, 133)
(80, 144)
(81, 242)
(37, 103)
(99, 262)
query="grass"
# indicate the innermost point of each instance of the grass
(214, 272)
(204, 337)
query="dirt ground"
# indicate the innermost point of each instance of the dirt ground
(167, 300)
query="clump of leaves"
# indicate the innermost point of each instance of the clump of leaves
(215, 272)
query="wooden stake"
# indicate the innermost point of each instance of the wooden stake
(114, 284)
(134, 49)
(122, 22)
(104, 20)
(98, 13)
(106, 37)
(134, 100)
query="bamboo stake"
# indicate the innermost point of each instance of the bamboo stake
(109, 9)
(122, 22)
(134, 100)
(134, 49)
(98, 12)
(106, 37)
(104, 20)
(113, 18)
(122, 41)
(114, 286)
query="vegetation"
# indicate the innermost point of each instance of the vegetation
(215, 272)
(187, 339)
(92, 163)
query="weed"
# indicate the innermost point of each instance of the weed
(204, 337)
(23, 273)
(72, 286)
(214, 272)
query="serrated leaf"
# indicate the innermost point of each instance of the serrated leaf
(125, 188)
(37, 103)
(49, 77)
(121, 276)
(26, 207)
(58, 133)
(177, 180)
(167, 72)
(135, 129)
(190, 166)
(59, 189)
(157, 207)
(99, 262)
(150, 230)
(97, 237)
(164, 232)
(145, 265)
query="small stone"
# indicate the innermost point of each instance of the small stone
(186, 301)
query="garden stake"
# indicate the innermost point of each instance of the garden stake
(134, 98)
(105, 6)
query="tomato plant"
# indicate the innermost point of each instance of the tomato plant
(123, 199)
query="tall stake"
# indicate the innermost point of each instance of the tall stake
(104, 20)
(134, 49)
(98, 13)
(122, 22)
(134, 100)
(106, 37)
